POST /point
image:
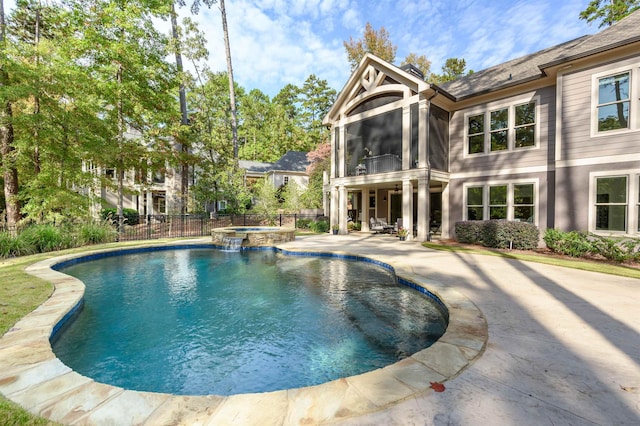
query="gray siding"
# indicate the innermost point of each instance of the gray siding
(577, 105)
(512, 159)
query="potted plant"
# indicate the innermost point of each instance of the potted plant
(402, 234)
(335, 229)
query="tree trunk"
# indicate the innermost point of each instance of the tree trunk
(7, 150)
(232, 92)
(180, 147)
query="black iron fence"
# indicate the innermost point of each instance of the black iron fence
(178, 226)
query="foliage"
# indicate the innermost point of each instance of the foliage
(421, 62)
(510, 235)
(132, 217)
(320, 226)
(608, 11)
(304, 223)
(468, 232)
(291, 196)
(452, 69)
(403, 232)
(581, 244)
(45, 237)
(372, 41)
(498, 234)
(573, 243)
(96, 233)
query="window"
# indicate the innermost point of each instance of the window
(285, 180)
(615, 202)
(509, 128)
(507, 201)
(475, 203)
(611, 203)
(499, 129)
(523, 207)
(613, 102)
(498, 202)
(525, 125)
(476, 134)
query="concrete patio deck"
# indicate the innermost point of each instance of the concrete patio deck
(563, 347)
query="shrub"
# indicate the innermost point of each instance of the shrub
(131, 216)
(574, 243)
(11, 246)
(44, 238)
(96, 233)
(304, 223)
(319, 226)
(510, 235)
(615, 249)
(468, 232)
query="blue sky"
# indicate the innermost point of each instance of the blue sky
(276, 42)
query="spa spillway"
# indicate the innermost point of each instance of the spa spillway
(254, 236)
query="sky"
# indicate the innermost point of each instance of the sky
(279, 42)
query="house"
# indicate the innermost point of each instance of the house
(551, 138)
(291, 167)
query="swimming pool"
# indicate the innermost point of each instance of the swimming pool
(378, 320)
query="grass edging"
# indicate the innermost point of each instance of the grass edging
(581, 264)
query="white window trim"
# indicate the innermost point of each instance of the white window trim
(510, 200)
(487, 109)
(632, 176)
(634, 102)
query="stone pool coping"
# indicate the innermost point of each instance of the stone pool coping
(32, 376)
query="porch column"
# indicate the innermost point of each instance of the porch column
(445, 211)
(342, 210)
(335, 206)
(406, 138)
(407, 207)
(150, 203)
(365, 209)
(325, 194)
(423, 208)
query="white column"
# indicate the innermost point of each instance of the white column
(342, 210)
(445, 210)
(407, 207)
(365, 209)
(335, 206)
(423, 208)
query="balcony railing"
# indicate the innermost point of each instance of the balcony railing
(381, 164)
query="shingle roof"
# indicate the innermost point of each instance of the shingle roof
(292, 161)
(530, 67)
(255, 166)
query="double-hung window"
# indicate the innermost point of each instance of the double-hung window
(502, 129)
(613, 102)
(509, 201)
(615, 202)
(616, 100)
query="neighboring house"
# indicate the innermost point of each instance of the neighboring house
(551, 138)
(291, 167)
(147, 192)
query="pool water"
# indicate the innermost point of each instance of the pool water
(204, 321)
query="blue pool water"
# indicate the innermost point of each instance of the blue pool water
(203, 321)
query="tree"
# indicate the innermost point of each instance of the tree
(7, 148)
(421, 62)
(372, 41)
(608, 12)
(319, 163)
(452, 69)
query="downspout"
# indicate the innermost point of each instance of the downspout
(429, 164)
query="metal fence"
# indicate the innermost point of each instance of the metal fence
(178, 226)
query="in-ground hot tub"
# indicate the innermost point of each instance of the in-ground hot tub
(254, 236)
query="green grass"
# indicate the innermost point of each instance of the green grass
(21, 293)
(585, 265)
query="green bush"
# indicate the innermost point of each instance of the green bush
(96, 233)
(11, 246)
(44, 238)
(468, 232)
(304, 223)
(131, 216)
(510, 235)
(614, 249)
(319, 226)
(573, 243)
